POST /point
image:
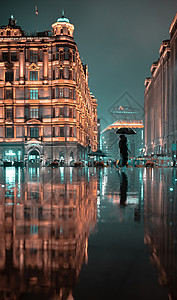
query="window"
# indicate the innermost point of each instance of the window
(70, 56)
(34, 132)
(34, 113)
(62, 131)
(13, 56)
(70, 93)
(66, 93)
(33, 56)
(8, 94)
(66, 53)
(66, 73)
(61, 93)
(74, 94)
(54, 74)
(70, 131)
(8, 33)
(61, 75)
(9, 132)
(9, 112)
(70, 112)
(74, 75)
(5, 56)
(33, 75)
(74, 55)
(33, 94)
(9, 76)
(61, 55)
(61, 112)
(70, 74)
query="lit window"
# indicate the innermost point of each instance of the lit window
(61, 75)
(61, 111)
(33, 56)
(61, 93)
(34, 132)
(34, 113)
(33, 94)
(33, 75)
(9, 112)
(70, 93)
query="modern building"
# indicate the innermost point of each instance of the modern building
(161, 99)
(125, 112)
(47, 111)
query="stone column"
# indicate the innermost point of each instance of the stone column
(21, 65)
(45, 65)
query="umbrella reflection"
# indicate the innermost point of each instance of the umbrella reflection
(123, 188)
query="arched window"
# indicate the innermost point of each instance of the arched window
(61, 55)
(61, 31)
(8, 33)
(70, 56)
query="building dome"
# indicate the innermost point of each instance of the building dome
(63, 19)
(63, 27)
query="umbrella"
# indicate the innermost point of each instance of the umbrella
(125, 130)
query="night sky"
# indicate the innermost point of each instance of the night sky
(119, 40)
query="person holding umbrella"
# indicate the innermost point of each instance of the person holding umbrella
(123, 151)
(123, 145)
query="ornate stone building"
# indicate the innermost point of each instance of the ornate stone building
(46, 109)
(161, 99)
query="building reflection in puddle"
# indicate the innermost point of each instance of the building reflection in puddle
(160, 211)
(46, 216)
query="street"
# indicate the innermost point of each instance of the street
(88, 233)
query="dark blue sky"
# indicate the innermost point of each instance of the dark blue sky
(119, 40)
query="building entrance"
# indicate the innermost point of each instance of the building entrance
(34, 157)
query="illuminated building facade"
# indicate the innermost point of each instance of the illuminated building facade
(161, 99)
(46, 109)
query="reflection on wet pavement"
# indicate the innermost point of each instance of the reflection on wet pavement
(87, 233)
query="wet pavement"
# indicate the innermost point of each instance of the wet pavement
(87, 233)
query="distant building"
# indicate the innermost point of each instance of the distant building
(161, 99)
(46, 109)
(126, 112)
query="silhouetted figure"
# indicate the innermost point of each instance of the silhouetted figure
(123, 188)
(123, 150)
